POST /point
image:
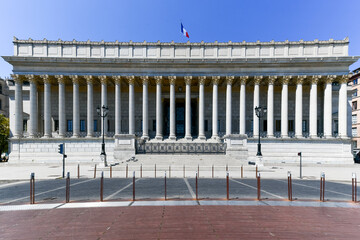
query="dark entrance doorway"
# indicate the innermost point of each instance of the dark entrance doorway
(180, 117)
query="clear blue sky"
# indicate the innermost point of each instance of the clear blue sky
(153, 20)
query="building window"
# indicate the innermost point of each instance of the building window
(0, 104)
(278, 125)
(69, 125)
(1, 92)
(95, 125)
(355, 81)
(304, 126)
(291, 125)
(355, 93)
(82, 125)
(354, 119)
(354, 105)
(354, 132)
(56, 122)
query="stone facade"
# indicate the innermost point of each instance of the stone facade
(183, 94)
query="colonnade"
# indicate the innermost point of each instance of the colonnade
(47, 80)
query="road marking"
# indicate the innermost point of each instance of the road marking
(12, 184)
(256, 189)
(189, 187)
(315, 188)
(119, 191)
(52, 190)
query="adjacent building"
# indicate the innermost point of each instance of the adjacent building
(181, 98)
(4, 98)
(355, 107)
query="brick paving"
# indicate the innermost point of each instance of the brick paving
(183, 222)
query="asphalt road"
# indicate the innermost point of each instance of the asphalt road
(53, 191)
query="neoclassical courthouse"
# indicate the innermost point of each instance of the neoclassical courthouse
(181, 98)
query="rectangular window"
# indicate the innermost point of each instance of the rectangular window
(95, 125)
(354, 119)
(206, 125)
(354, 105)
(82, 125)
(278, 125)
(354, 132)
(69, 125)
(355, 81)
(0, 104)
(1, 92)
(354, 93)
(56, 122)
(291, 125)
(265, 125)
(304, 126)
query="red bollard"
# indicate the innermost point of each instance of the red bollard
(196, 186)
(242, 171)
(95, 171)
(78, 171)
(258, 186)
(289, 186)
(227, 185)
(110, 171)
(256, 171)
(32, 188)
(67, 199)
(134, 186)
(165, 185)
(322, 187)
(127, 170)
(354, 188)
(102, 186)
(227, 168)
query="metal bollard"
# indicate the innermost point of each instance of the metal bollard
(165, 185)
(32, 188)
(127, 170)
(78, 171)
(134, 186)
(67, 199)
(322, 187)
(110, 171)
(140, 170)
(256, 171)
(212, 171)
(289, 186)
(155, 171)
(258, 186)
(170, 171)
(102, 186)
(354, 188)
(196, 186)
(95, 171)
(227, 185)
(242, 171)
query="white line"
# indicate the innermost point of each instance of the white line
(256, 188)
(119, 191)
(190, 189)
(48, 191)
(315, 188)
(12, 184)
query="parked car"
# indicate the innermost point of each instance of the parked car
(4, 157)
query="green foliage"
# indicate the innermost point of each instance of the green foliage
(4, 133)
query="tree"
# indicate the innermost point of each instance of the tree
(4, 133)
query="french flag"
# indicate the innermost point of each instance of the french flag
(183, 30)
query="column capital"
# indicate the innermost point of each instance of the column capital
(18, 78)
(74, 79)
(315, 79)
(215, 80)
(300, 79)
(202, 80)
(344, 78)
(243, 79)
(103, 79)
(117, 79)
(286, 79)
(60, 79)
(329, 79)
(131, 79)
(89, 79)
(172, 80)
(144, 79)
(32, 78)
(188, 80)
(257, 79)
(158, 79)
(47, 78)
(229, 80)
(272, 79)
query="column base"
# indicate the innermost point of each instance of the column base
(159, 138)
(328, 136)
(344, 137)
(75, 136)
(188, 137)
(46, 136)
(89, 136)
(145, 137)
(202, 137)
(299, 136)
(270, 136)
(313, 136)
(215, 137)
(172, 137)
(285, 136)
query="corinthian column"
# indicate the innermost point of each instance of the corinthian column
(328, 106)
(243, 80)
(90, 106)
(145, 120)
(76, 106)
(104, 121)
(131, 80)
(47, 106)
(229, 82)
(172, 80)
(159, 135)
(342, 112)
(117, 80)
(270, 107)
(62, 117)
(188, 107)
(215, 133)
(299, 106)
(33, 128)
(201, 108)
(18, 129)
(284, 107)
(313, 106)
(257, 80)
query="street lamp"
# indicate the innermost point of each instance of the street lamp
(103, 112)
(260, 112)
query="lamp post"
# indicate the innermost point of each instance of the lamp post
(103, 112)
(260, 112)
